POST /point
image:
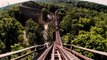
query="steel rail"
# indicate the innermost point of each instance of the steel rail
(52, 55)
(71, 55)
(59, 56)
(19, 51)
(90, 50)
(65, 54)
(78, 54)
(45, 53)
(58, 38)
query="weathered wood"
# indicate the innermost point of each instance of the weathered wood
(20, 57)
(52, 55)
(91, 50)
(43, 56)
(59, 56)
(78, 54)
(19, 51)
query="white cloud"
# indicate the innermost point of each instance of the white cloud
(6, 2)
(98, 1)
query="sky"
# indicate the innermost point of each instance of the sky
(6, 2)
(98, 1)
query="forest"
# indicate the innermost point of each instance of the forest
(81, 23)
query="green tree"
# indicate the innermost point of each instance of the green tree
(4, 14)
(45, 13)
(66, 23)
(34, 32)
(90, 40)
(10, 29)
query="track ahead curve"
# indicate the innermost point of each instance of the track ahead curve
(57, 50)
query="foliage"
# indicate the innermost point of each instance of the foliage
(86, 28)
(2, 46)
(45, 13)
(4, 14)
(84, 24)
(34, 32)
(18, 46)
(89, 5)
(10, 27)
(90, 40)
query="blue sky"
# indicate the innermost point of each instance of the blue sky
(6, 2)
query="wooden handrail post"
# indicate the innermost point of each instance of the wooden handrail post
(34, 54)
(19, 51)
(72, 47)
(86, 49)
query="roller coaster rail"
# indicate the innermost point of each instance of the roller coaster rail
(56, 51)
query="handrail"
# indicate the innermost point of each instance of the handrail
(45, 53)
(18, 58)
(78, 54)
(91, 50)
(19, 51)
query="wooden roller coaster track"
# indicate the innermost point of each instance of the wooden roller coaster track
(55, 51)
